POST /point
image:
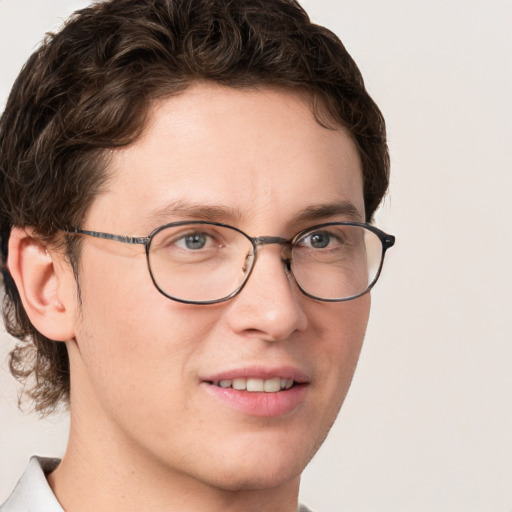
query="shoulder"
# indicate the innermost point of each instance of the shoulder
(32, 492)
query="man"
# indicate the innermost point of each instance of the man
(186, 191)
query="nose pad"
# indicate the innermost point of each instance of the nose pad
(248, 262)
(288, 265)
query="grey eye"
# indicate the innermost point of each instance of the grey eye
(318, 240)
(195, 241)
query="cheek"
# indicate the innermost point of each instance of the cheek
(134, 343)
(342, 333)
(342, 326)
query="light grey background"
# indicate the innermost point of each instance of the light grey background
(427, 425)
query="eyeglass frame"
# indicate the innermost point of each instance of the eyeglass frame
(386, 240)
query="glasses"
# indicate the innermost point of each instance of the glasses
(198, 262)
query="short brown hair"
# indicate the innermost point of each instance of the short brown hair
(88, 88)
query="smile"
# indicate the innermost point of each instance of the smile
(255, 385)
(259, 390)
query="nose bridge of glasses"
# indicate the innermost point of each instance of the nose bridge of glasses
(268, 240)
(277, 240)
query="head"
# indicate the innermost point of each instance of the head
(78, 127)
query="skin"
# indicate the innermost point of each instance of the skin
(145, 434)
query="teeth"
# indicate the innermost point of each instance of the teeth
(254, 385)
(239, 384)
(272, 385)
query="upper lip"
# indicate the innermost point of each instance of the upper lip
(259, 372)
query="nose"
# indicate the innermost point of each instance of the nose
(270, 305)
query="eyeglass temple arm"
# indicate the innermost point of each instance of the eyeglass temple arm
(108, 236)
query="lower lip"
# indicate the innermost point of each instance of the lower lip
(260, 404)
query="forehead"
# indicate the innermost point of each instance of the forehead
(247, 154)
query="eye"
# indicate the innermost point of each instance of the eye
(193, 242)
(188, 241)
(317, 240)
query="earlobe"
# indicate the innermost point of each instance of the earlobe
(41, 280)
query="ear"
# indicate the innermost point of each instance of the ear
(45, 283)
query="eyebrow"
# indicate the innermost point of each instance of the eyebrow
(323, 211)
(186, 210)
(217, 213)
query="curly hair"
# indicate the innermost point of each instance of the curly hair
(88, 88)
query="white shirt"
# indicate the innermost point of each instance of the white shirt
(33, 493)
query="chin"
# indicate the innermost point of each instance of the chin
(257, 479)
(260, 467)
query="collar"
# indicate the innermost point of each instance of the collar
(32, 492)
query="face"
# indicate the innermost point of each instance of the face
(146, 369)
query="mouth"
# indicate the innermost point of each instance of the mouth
(258, 390)
(256, 385)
